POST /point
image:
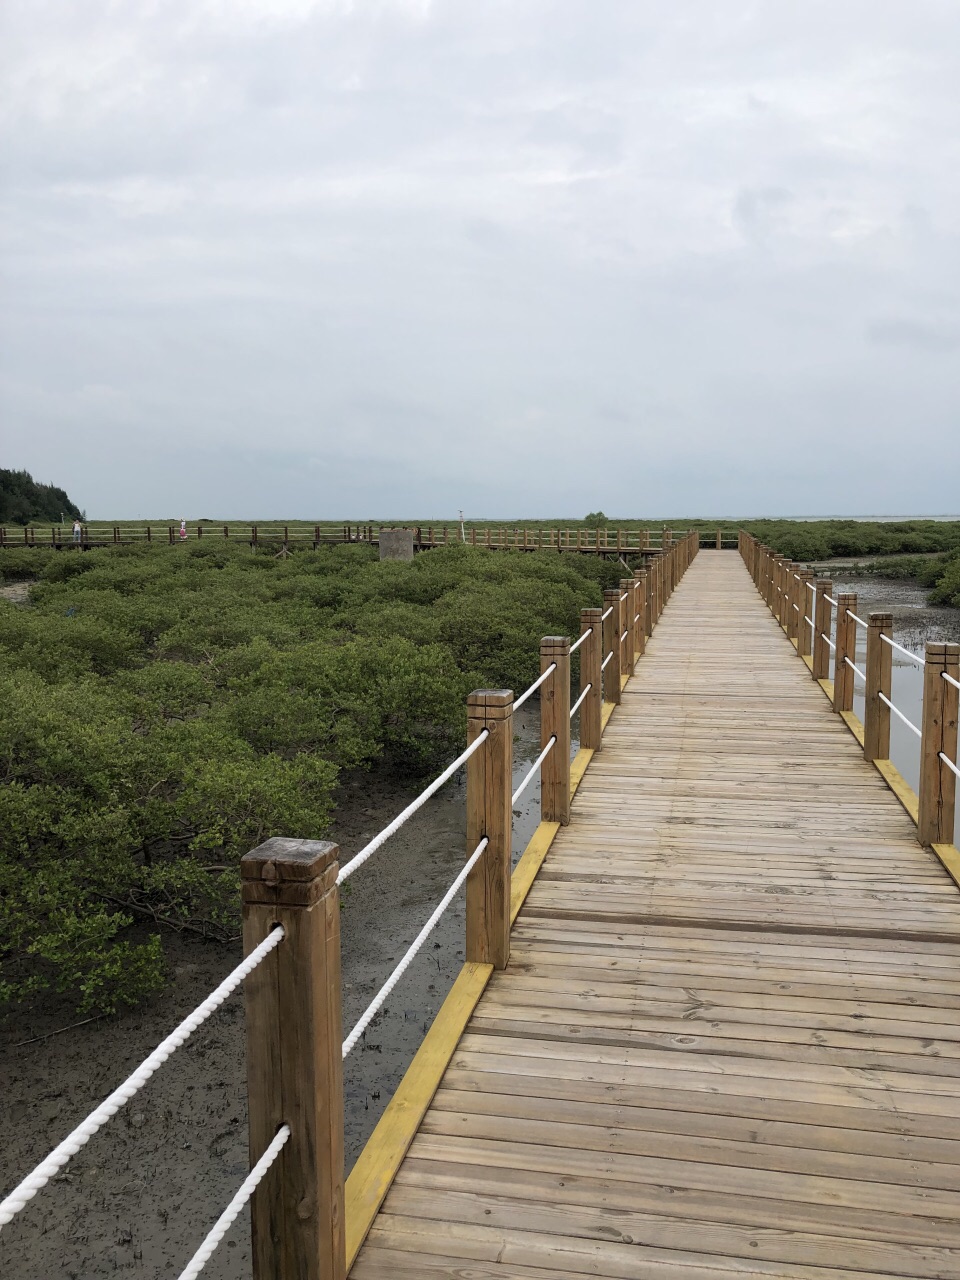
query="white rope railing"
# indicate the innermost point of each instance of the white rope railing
(811, 586)
(576, 706)
(626, 632)
(829, 599)
(574, 647)
(605, 616)
(950, 680)
(949, 763)
(608, 658)
(900, 649)
(232, 1211)
(623, 597)
(532, 770)
(795, 608)
(22, 1194)
(853, 666)
(824, 636)
(378, 841)
(859, 621)
(897, 712)
(809, 620)
(518, 702)
(375, 1004)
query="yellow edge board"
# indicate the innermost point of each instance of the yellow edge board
(854, 724)
(808, 659)
(900, 787)
(380, 1159)
(606, 712)
(949, 855)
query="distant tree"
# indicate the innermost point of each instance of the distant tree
(595, 520)
(22, 499)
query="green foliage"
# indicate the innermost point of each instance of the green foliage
(22, 499)
(163, 710)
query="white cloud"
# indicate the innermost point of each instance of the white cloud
(452, 253)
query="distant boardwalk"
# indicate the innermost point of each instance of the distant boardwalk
(727, 1042)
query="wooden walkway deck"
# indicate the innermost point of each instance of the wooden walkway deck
(727, 1042)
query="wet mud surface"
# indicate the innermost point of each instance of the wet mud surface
(143, 1193)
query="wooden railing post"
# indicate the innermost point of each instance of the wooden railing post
(611, 645)
(821, 628)
(294, 1064)
(641, 609)
(846, 642)
(879, 673)
(719, 540)
(490, 814)
(805, 602)
(555, 723)
(938, 783)
(627, 614)
(591, 657)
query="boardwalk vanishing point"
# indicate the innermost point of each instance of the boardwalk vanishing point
(727, 1041)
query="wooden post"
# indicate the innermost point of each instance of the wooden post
(719, 540)
(591, 657)
(879, 671)
(846, 642)
(294, 1066)
(611, 645)
(490, 814)
(555, 723)
(805, 601)
(170, 534)
(628, 613)
(821, 628)
(641, 599)
(938, 783)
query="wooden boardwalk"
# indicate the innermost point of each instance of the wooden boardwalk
(728, 1039)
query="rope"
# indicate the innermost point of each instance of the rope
(859, 621)
(231, 1212)
(900, 649)
(949, 763)
(626, 632)
(853, 666)
(795, 609)
(806, 618)
(576, 646)
(636, 617)
(824, 636)
(608, 658)
(829, 599)
(535, 686)
(370, 849)
(532, 770)
(576, 706)
(897, 712)
(811, 586)
(32, 1183)
(374, 1006)
(605, 616)
(950, 680)
(623, 597)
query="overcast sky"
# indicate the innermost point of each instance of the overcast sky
(280, 258)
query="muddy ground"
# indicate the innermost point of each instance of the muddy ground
(140, 1197)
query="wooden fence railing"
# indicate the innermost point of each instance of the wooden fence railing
(621, 541)
(804, 606)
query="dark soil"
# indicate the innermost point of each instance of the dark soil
(140, 1197)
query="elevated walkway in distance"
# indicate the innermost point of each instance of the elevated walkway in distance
(727, 1042)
